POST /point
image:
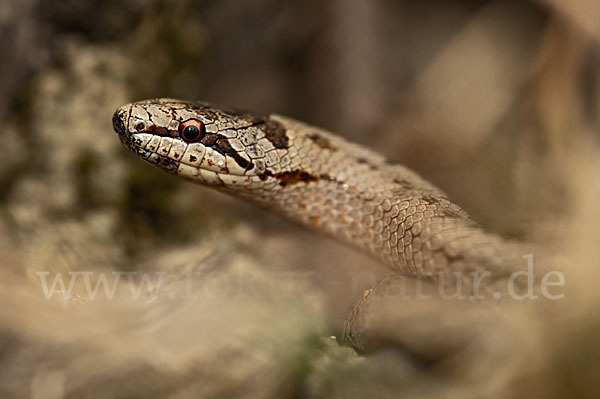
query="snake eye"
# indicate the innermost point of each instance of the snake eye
(140, 126)
(191, 131)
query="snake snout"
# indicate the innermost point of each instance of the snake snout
(118, 121)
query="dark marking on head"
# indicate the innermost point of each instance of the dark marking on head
(193, 158)
(209, 140)
(404, 183)
(159, 131)
(224, 145)
(243, 163)
(321, 141)
(275, 132)
(221, 144)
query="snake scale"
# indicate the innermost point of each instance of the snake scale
(321, 181)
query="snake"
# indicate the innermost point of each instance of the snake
(321, 181)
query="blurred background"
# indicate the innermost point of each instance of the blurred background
(496, 102)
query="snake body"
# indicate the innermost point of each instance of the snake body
(321, 181)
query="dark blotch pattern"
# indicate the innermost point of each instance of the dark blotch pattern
(293, 177)
(209, 140)
(220, 144)
(275, 133)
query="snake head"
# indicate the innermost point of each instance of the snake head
(200, 141)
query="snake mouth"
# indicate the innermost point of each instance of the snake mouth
(141, 145)
(189, 159)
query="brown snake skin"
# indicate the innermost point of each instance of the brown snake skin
(321, 181)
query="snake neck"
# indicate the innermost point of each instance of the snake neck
(358, 197)
(317, 179)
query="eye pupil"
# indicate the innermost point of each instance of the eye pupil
(191, 131)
